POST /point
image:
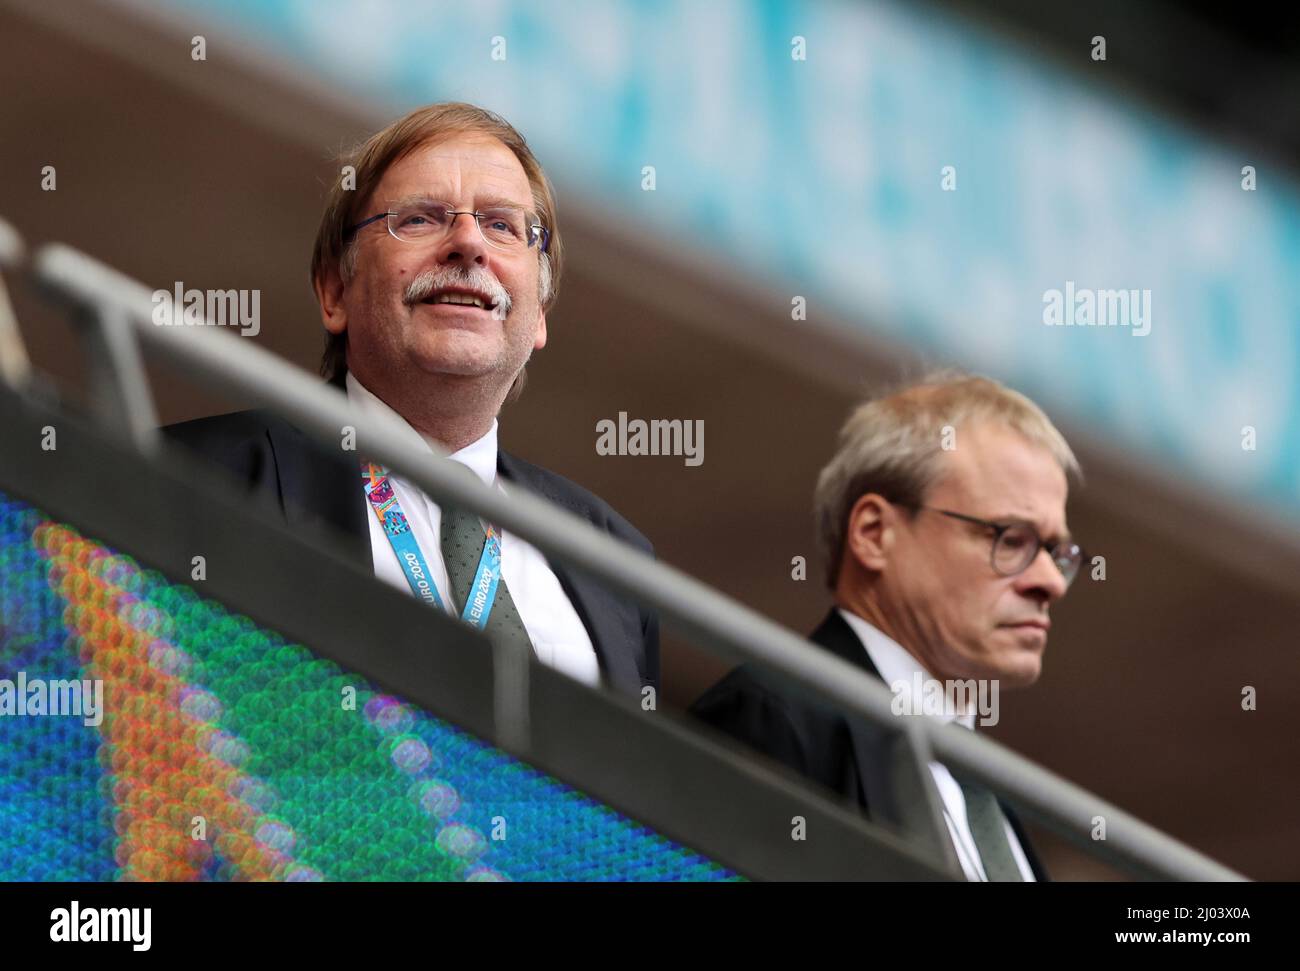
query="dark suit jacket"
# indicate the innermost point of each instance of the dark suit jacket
(311, 485)
(811, 736)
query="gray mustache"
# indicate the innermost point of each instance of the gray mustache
(431, 280)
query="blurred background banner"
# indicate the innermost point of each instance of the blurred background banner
(769, 209)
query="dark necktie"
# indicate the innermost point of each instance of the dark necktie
(987, 826)
(463, 539)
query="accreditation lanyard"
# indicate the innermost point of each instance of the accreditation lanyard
(483, 593)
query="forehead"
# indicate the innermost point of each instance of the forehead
(461, 169)
(994, 471)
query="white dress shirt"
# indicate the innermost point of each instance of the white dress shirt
(895, 664)
(557, 633)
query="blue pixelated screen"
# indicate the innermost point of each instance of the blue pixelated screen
(147, 733)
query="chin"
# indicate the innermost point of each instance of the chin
(453, 368)
(1020, 670)
(469, 358)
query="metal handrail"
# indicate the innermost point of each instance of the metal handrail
(15, 369)
(715, 620)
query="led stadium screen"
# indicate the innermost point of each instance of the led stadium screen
(152, 734)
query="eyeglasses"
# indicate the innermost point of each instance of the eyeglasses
(1016, 543)
(502, 227)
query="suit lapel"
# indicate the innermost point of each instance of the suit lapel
(872, 750)
(597, 607)
(897, 784)
(1036, 865)
(319, 489)
(838, 637)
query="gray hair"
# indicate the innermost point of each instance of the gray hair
(891, 445)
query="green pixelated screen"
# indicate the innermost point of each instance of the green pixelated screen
(147, 733)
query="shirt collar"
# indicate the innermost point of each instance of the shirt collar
(894, 662)
(480, 455)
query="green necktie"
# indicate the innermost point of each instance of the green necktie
(463, 539)
(987, 826)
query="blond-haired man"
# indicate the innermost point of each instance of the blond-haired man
(434, 273)
(942, 521)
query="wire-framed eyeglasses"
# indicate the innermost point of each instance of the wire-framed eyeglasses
(502, 227)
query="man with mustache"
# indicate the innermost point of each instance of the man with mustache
(434, 276)
(941, 518)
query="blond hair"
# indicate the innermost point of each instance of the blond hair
(372, 158)
(891, 445)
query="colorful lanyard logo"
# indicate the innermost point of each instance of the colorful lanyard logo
(482, 593)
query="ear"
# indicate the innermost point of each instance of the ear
(870, 533)
(329, 289)
(541, 331)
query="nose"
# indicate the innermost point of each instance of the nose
(464, 242)
(1042, 580)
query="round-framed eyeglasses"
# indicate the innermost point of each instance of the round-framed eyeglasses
(1016, 543)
